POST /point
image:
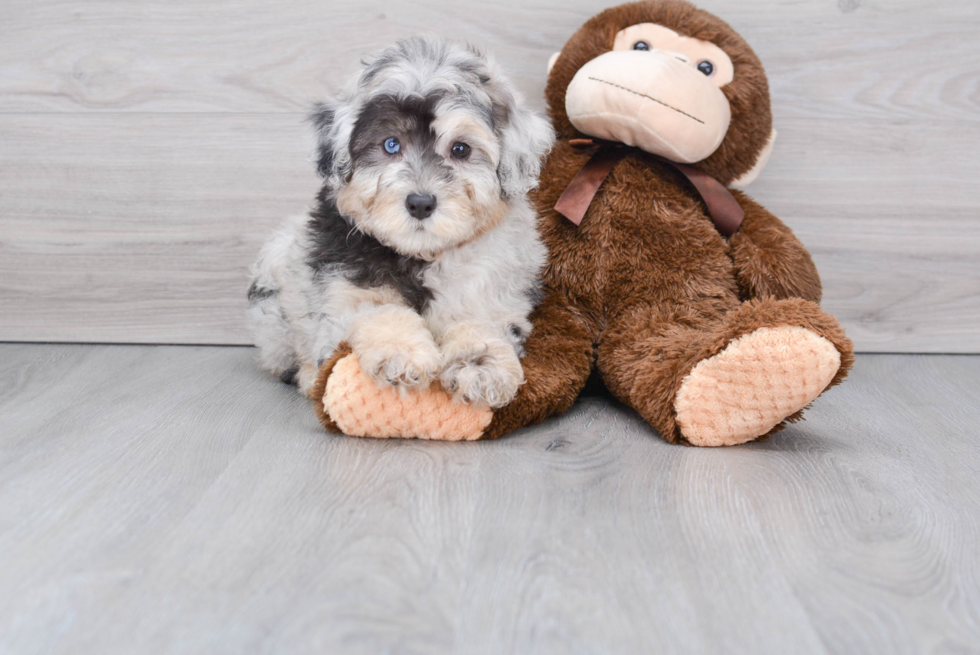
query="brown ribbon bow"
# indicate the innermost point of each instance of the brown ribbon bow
(724, 210)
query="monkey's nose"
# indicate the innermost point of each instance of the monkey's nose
(675, 55)
(420, 205)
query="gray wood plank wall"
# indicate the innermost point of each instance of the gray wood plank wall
(146, 148)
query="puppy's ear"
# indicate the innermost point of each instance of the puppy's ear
(332, 121)
(323, 118)
(526, 138)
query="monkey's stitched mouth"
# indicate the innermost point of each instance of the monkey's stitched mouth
(643, 95)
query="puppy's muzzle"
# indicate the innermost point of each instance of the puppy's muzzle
(420, 205)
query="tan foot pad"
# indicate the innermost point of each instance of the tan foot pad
(748, 388)
(360, 408)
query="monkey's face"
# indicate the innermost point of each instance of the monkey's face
(656, 90)
(670, 79)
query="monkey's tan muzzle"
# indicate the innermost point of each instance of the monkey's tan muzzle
(650, 100)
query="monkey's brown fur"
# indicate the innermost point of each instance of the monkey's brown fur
(319, 389)
(646, 288)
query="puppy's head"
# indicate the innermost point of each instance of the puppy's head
(428, 146)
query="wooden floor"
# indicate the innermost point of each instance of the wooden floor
(162, 499)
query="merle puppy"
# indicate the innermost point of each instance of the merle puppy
(422, 250)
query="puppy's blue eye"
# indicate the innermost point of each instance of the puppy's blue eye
(392, 146)
(641, 45)
(706, 67)
(460, 150)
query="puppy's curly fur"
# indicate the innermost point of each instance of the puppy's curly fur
(422, 250)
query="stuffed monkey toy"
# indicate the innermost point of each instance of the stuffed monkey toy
(697, 306)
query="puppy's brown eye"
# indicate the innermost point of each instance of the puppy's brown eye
(460, 150)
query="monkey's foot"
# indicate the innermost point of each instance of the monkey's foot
(355, 403)
(752, 385)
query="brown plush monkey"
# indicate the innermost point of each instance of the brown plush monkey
(713, 340)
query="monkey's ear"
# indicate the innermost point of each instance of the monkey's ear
(760, 163)
(526, 139)
(551, 61)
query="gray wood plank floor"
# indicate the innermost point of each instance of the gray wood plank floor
(149, 147)
(176, 500)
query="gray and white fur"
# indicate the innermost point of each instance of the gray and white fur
(422, 250)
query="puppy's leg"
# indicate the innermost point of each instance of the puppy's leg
(481, 364)
(270, 330)
(395, 347)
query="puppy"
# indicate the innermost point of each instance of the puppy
(422, 251)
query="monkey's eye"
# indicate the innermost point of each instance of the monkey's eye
(392, 146)
(706, 67)
(460, 150)
(641, 45)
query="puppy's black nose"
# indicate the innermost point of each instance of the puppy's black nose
(421, 205)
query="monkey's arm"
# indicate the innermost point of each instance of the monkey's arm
(769, 259)
(557, 361)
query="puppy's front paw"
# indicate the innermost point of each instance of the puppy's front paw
(483, 375)
(411, 366)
